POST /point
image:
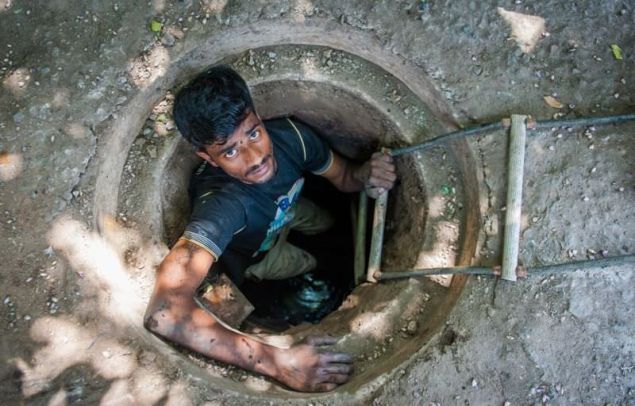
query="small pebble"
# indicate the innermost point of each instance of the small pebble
(585, 198)
(552, 148)
(594, 169)
(621, 188)
(168, 40)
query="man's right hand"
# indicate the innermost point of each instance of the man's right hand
(304, 367)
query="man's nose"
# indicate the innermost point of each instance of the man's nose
(252, 156)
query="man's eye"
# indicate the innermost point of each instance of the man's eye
(231, 153)
(254, 135)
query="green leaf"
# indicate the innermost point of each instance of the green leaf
(155, 26)
(446, 190)
(617, 52)
(162, 118)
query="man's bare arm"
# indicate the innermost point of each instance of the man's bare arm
(377, 173)
(172, 313)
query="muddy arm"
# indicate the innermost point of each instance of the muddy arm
(377, 172)
(173, 314)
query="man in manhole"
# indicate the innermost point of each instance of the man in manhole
(246, 197)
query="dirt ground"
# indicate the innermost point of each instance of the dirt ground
(71, 70)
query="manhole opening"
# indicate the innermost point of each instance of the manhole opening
(381, 325)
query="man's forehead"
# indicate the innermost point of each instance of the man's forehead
(245, 128)
(250, 121)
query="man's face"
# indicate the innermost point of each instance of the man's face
(247, 155)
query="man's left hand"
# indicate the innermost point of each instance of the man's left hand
(378, 174)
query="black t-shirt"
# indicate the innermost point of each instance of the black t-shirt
(236, 222)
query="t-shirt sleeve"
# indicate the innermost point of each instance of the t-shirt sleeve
(214, 222)
(316, 153)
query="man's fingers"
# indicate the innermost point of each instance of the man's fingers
(382, 172)
(315, 369)
(390, 175)
(377, 183)
(336, 378)
(381, 176)
(385, 168)
(335, 357)
(383, 164)
(386, 182)
(345, 369)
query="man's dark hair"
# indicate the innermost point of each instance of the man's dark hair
(212, 106)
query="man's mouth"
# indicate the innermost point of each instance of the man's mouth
(261, 169)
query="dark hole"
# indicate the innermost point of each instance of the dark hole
(311, 296)
(448, 338)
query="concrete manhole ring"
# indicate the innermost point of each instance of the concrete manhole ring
(358, 97)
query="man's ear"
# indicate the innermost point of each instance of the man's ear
(206, 157)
